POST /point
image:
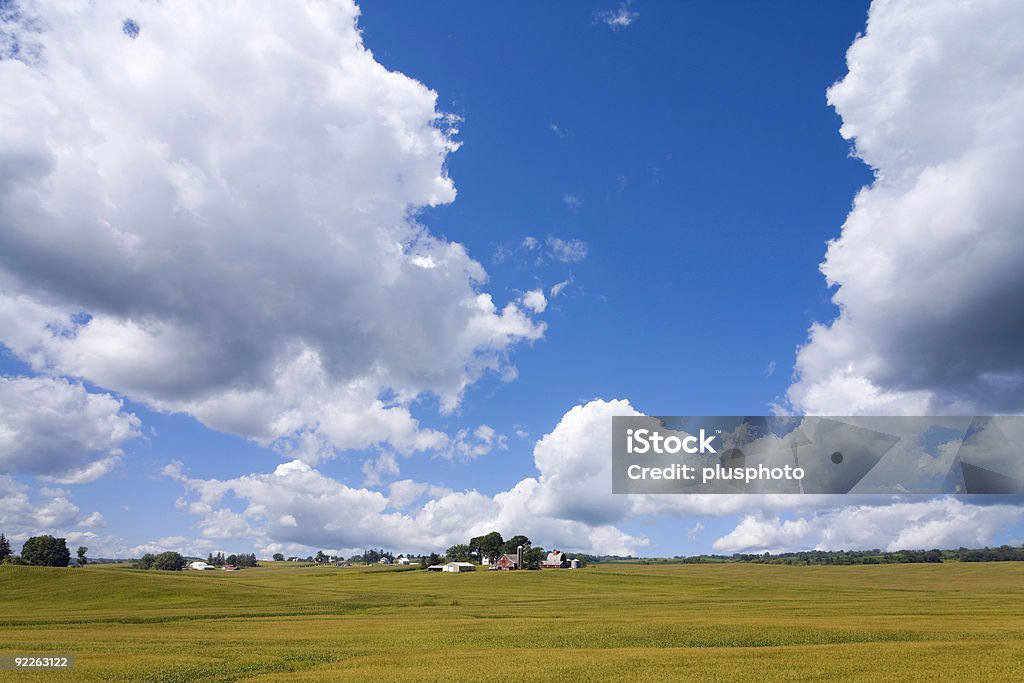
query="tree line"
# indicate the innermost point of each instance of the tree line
(1003, 553)
(240, 560)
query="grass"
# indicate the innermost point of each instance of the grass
(669, 622)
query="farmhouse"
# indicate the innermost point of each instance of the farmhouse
(199, 565)
(402, 560)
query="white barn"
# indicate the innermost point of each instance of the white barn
(459, 567)
(199, 565)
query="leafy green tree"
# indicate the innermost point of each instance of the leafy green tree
(5, 549)
(145, 562)
(278, 557)
(489, 546)
(458, 553)
(320, 557)
(512, 544)
(169, 561)
(430, 560)
(46, 551)
(533, 557)
(82, 560)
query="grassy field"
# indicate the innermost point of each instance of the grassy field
(613, 622)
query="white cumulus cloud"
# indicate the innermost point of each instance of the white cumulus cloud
(58, 430)
(901, 525)
(213, 216)
(927, 268)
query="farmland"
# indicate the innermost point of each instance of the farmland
(946, 621)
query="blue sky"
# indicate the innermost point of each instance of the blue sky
(645, 191)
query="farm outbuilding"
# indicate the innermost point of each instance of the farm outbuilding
(459, 567)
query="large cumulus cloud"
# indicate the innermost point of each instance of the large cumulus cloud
(215, 214)
(927, 267)
(56, 429)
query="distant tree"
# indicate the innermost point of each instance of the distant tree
(430, 560)
(488, 545)
(82, 550)
(232, 559)
(145, 562)
(458, 553)
(278, 557)
(5, 549)
(512, 544)
(169, 561)
(320, 557)
(209, 559)
(533, 557)
(46, 551)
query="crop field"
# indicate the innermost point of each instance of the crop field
(609, 622)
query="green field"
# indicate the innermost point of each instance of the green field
(613, 622)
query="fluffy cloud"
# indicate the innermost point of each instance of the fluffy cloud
(24, 512)
(56, 429)
(937, 523)
(535, 300)
(212, 214)
(569, 505)
(928, 263)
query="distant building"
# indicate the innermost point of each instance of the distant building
(229, 568)
(402, 560)
(459, 567)
(508, 562)
(574, 564)
(199, 565)
(555, 560)
(342, 564)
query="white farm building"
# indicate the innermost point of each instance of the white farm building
(459, 567)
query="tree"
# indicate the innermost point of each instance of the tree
(169, 561)
(46, 551)
(458, 553)
(82, 550)
(145, 562)
(533, 558)
(232, 559)
(5, 549)
(430, 561)
(320, 557)
(488, 545)
(512, 544)
(278, 557)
